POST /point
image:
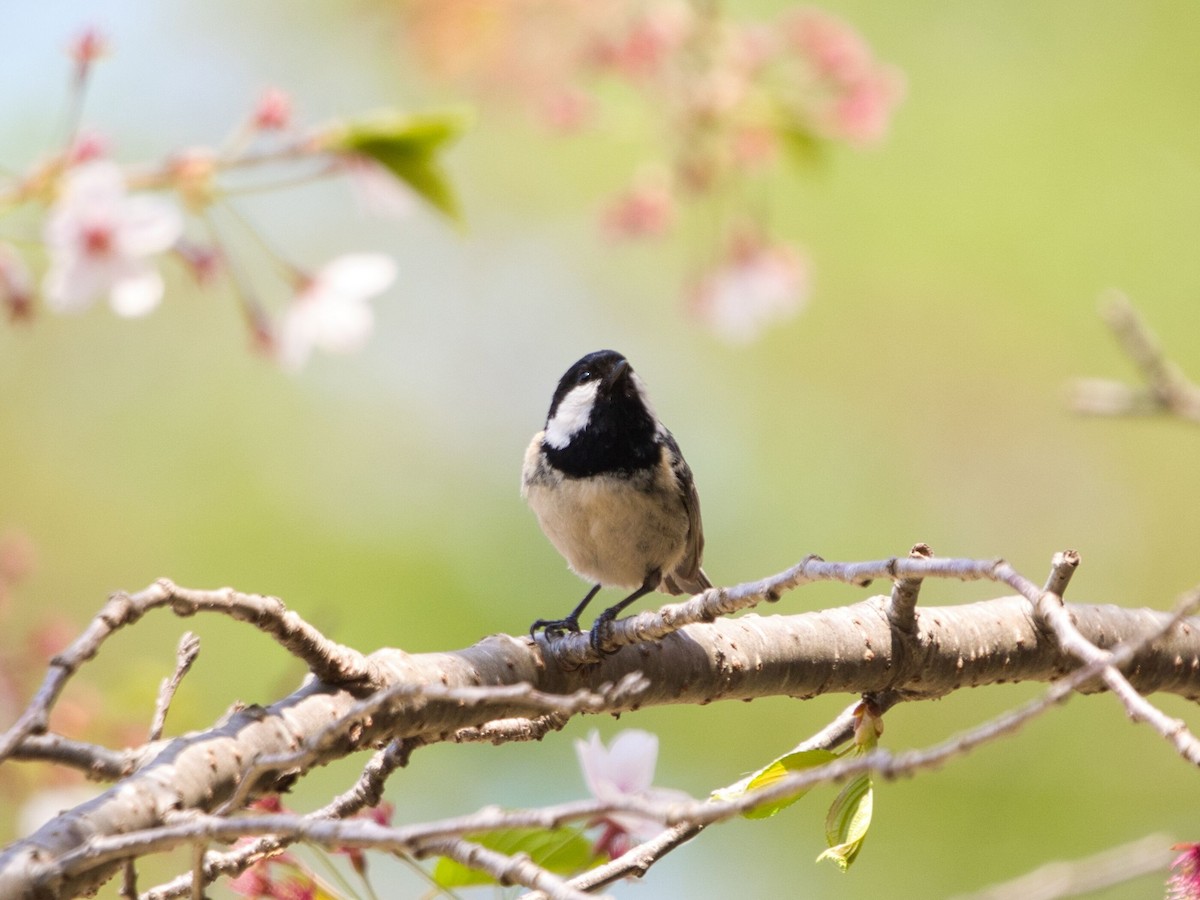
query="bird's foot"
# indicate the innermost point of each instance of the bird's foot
(602, 631)
(555, 627)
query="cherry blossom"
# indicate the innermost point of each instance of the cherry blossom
(85, 48)
(1184, 883)
(273, 112)
(760, 284)
(860, 92)
(863, 110)
(647, 209)
(330, 311)
(625, 768)
(100, 241)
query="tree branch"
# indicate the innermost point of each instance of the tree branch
(493, 686)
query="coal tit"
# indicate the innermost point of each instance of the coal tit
(612, 492)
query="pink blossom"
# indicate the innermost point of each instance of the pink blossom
(381, 815)
(833, 48)
(755, 146)
(254, 881)
(100, 241)
(645, 210)
(330, 312)
(567, 110)
(625, 768)
(202, 260)
(273, 112)
(642, 50)
(1184, 883)
(759, 284)
(858, 93)
(85, 48)
(863, 109)
(297, 887)
(87, 146)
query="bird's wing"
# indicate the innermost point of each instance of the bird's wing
(687, 577)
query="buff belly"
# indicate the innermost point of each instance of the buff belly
(611, 530)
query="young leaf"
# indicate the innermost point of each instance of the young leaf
(560, 850)
(847, 822)
(771, 773)
(408, 146)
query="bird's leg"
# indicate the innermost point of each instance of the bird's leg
(555, 627)
(603, 624)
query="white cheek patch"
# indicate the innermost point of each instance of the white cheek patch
(645, 398)
(572, 415)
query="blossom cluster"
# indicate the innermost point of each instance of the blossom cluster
(108, 229)
(726, 101)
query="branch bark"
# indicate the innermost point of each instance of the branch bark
(425, 698)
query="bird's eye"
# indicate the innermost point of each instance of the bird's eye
(585, 375)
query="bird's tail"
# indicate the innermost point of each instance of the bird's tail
(677, 583)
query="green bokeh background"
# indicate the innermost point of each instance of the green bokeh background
(1044, 154)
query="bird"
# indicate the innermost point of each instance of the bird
(612, 491)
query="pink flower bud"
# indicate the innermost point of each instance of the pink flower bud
(274, 110)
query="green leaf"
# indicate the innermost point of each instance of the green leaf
(770, 774)
(847, 822)
(562, 850)
(408, 146)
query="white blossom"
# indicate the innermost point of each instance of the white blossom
(759, 285)
(330, 312)
(625, 768)
(101, 241)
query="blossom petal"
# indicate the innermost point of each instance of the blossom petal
(358, 274)
(137, 292)
(294, 341)
(100, 182)
(593, 762)
(632, 756)
(71, 285)
(625, 767)
(345, 324)
(148, 225)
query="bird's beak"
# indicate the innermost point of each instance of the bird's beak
(619, 371)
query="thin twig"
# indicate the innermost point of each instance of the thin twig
(366, 792)
(329, 661)
(574, 650)
(96, 762)
(185, 655)
(902, 607)
(505, 869)
(198, 871)
(1051, 611)
(1076, 877)
(1167, 389)
(129, 880)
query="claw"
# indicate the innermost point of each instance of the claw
(555, 627)
(601, 632)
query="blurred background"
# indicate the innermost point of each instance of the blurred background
(1040, 155)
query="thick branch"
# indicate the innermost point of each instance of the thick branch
(850, 650)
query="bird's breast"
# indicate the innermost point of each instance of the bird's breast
(612, 528)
